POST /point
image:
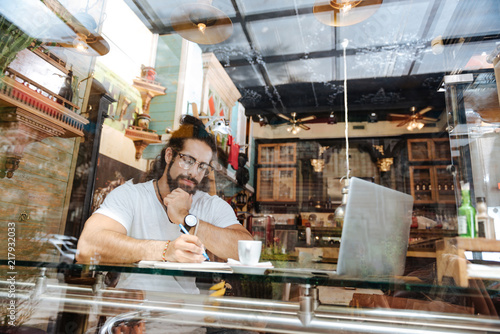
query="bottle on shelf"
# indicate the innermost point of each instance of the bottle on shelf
(311, 203)
(485, 223)
(466, 214)
(329, 204)
(439, 220)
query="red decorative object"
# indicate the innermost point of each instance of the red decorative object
(148, 73)
(234, 150)
(211, 105)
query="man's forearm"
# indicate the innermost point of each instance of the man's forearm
(222, 242)
(113, 247)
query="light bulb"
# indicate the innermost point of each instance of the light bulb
(409, 128)
(345, 8)
(80, 42)
(420, 125)
(289, 129)
(202, 27)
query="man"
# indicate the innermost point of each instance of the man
(141, 221)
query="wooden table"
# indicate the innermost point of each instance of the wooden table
(451, 261)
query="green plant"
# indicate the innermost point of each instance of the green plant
(12, 40)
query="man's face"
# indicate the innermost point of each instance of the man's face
(187, 179)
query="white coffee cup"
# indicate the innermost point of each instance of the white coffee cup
(249, 251)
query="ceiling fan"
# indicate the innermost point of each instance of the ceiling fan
(416, 120)
(296, 124)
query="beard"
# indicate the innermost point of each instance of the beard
(174, 183)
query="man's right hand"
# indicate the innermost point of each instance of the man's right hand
(178, 203)
(186, 248)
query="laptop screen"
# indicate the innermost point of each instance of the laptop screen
(375, 232)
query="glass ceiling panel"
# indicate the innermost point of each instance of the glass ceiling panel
(155, 10)
(442, 19)
(310, 70)
(373, 65)
(159, 11)
(486, 13)
(246, 76)
(137, 12)
(235, 47)
(406, 20)
(263, 6)
(432, 63)
(290, 35)
(478, 52)
(224, 5)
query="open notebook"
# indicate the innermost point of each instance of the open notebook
(375, 232)
(203, 266)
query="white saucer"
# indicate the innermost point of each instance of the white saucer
(249, 270)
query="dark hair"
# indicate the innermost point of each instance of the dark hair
(190, 128)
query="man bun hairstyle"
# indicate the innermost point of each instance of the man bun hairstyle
(190, 128)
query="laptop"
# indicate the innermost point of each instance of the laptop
(376, 229)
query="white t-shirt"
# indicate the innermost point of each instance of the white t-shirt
(137, 208)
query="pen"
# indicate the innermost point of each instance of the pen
(183, 229)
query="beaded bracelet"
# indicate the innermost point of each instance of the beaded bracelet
(164, 255)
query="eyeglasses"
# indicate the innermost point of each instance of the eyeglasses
(187, 161)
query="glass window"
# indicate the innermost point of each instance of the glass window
(354, 146)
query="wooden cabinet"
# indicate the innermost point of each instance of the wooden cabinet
(429, 149)
(285, 191)
(276, 184)
(276, 174)
(277, 154)
(432, 184)
(441, 149)
(420, 149)
(445, 186)
(265, 184)
(422, 183)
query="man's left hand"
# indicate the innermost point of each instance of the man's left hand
(178, 203)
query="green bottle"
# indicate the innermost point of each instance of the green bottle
(466, 215)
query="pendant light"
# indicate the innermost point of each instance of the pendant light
(340, 13)
(201, 23)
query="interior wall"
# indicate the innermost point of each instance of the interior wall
(130, 41)
(168, 61)
(38, 189)
(116, 146)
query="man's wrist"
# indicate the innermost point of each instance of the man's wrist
(178, 219)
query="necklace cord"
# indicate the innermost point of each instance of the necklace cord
(161, 200)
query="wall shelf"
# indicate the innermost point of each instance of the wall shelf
(30, 113)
